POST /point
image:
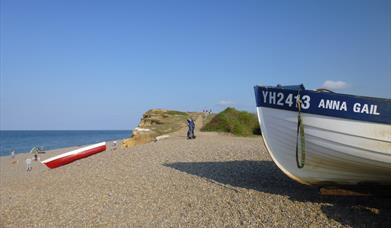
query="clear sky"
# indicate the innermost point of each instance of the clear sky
(76, 64)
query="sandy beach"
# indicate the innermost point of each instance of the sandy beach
(215, 180)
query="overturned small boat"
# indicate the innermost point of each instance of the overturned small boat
(318, 137)
(74, 155)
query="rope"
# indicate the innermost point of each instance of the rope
(300, 133)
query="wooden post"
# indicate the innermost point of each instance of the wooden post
(336, 191)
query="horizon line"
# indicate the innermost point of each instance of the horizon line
(65, 129)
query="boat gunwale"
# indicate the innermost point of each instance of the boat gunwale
(384, 104)
(73, 152)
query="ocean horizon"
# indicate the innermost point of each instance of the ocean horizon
(22, 141)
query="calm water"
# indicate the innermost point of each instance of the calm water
(23, 141)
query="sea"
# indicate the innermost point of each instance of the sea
(24, 141)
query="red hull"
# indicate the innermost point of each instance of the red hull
(73, 157)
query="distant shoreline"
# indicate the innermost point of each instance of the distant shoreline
(55, 150)
(23, 141)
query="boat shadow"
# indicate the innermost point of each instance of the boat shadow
(265, 176)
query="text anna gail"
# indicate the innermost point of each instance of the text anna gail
(274, 98)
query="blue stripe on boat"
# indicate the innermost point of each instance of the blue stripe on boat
(325, 103)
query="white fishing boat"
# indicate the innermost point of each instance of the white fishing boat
(329, 138)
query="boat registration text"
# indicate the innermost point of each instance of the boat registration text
(325, 103)
(279, 98)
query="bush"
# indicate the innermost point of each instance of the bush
(230, 120)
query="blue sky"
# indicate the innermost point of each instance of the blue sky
(101, 64)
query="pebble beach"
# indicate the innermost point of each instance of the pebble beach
(215, 180)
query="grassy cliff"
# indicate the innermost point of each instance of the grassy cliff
(158, 122)
(236, 122)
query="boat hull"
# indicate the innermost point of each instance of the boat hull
(74, 155)
(339, 151)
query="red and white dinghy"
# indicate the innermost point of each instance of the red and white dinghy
(74, 155)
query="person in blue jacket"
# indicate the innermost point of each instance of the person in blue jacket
(191, 127)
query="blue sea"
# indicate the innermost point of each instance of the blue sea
(24, 141)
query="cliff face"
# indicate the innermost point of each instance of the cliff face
(158, 123)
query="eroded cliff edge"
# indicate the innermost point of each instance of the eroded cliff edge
(158, 124)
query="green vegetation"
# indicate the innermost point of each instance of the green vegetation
(159, 122)
(172, 112)
(207, 119)
(162, 121)
(230, 120)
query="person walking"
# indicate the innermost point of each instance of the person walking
(189, 130)
(192, 128)
(114, 145)
(28, 164)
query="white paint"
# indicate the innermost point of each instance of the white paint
(264, 93)
(333, 105)
(280, 98)
(272, 97)
(305, 102)
(289, 100)
(365, 109)
(337, 150)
